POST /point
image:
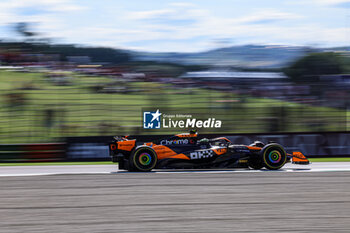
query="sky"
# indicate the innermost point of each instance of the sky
(181, 26)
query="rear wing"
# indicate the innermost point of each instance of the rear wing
(122, 144)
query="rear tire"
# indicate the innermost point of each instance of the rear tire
(143, 159)
(255, 163)
(273, 156)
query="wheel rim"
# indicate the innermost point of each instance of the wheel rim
(145, 159)
(275, 156)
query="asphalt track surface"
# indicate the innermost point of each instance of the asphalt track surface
(112, 169)
(205, 201)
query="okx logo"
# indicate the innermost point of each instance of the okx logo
(151, 120)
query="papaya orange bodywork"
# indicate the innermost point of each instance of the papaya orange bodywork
(253, 148)
(163, 151)
(224, 138)
(220, 151)
(299, 157)
(180, 156)
(126, 145)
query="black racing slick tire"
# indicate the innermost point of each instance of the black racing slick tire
(143, 159)
(255, 163)
(273, 156)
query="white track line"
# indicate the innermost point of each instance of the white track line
(113, 169)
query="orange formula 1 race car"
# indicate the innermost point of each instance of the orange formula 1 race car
(185, 151)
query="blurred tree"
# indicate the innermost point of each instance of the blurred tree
(311, 66)
(35, 42)
(24, 30)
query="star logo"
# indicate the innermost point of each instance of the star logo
(151, 120)
(156, 115)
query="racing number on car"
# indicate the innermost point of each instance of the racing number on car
(201, 154)
(221, 150)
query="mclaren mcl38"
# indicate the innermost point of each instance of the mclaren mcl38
(186, 151)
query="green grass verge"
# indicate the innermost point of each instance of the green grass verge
(81, 111)
(329, 159)
(57, 163)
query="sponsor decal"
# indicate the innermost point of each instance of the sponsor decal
(221, 150)
(125, 144)
(174, 142)
(201, 154)
(243, 161)
(241, 149)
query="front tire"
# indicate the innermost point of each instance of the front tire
(143, 159)
(273, 156)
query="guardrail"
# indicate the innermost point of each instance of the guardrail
(39, 152)
(319, 144)
(313, 145)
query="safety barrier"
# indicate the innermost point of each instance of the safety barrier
(39, 152)
(320, 144)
